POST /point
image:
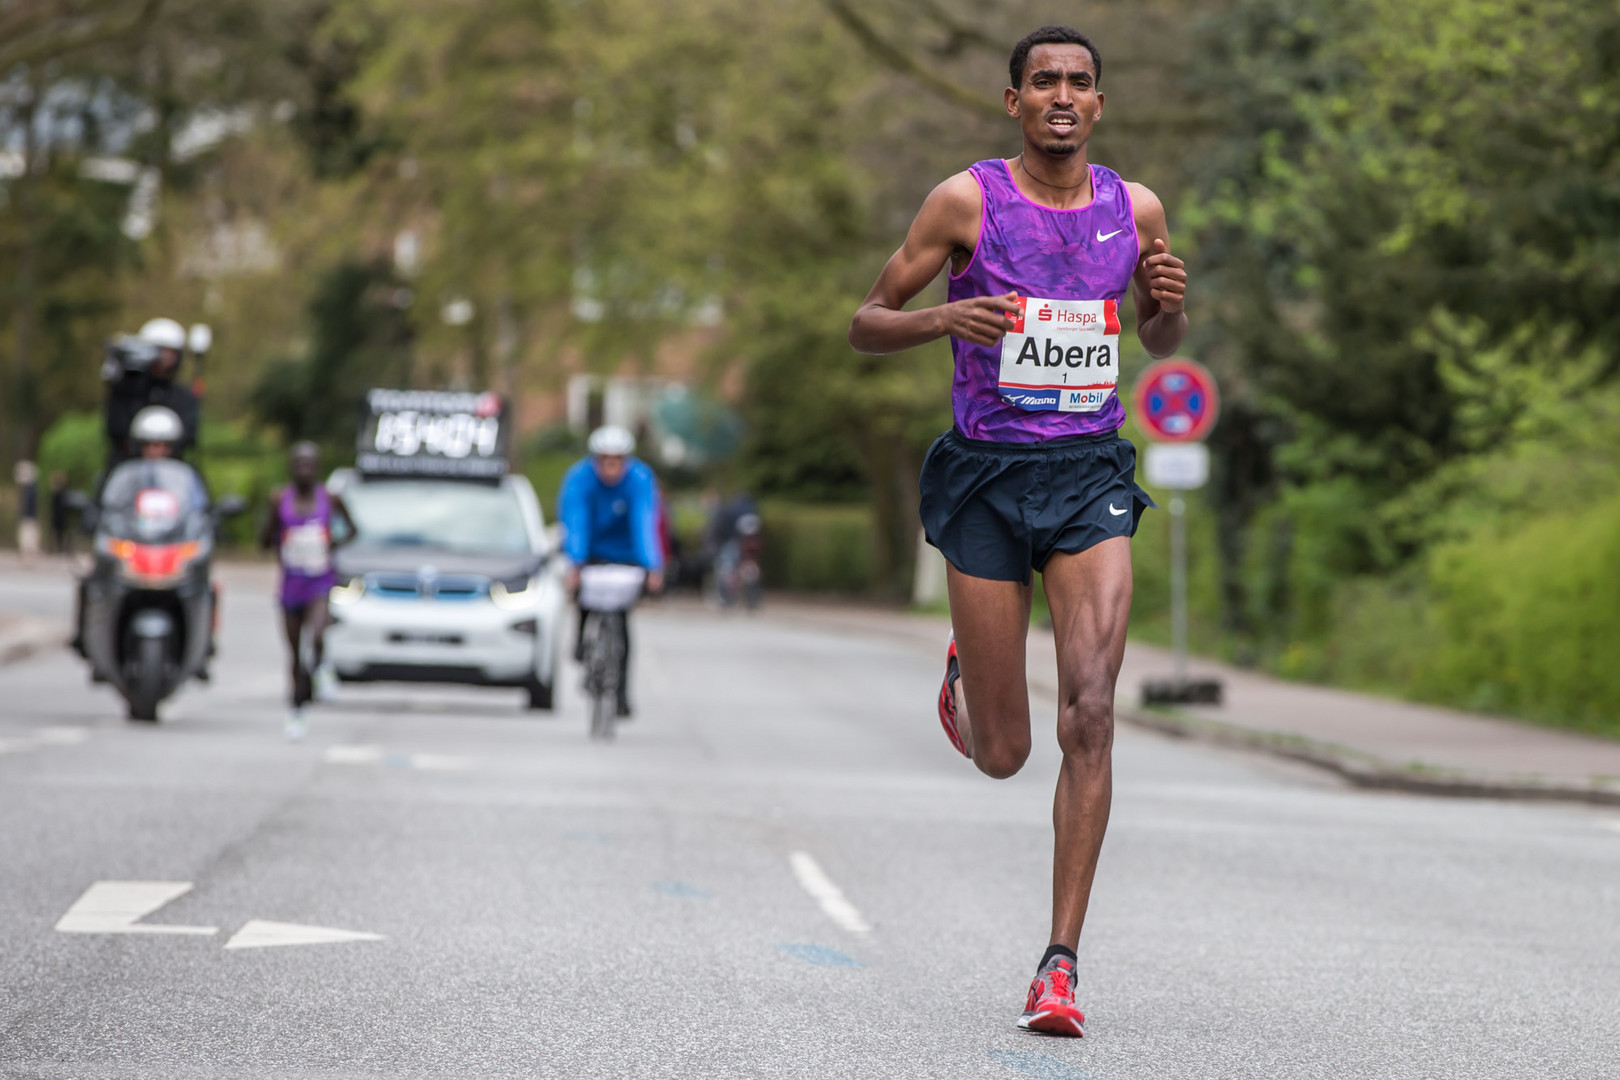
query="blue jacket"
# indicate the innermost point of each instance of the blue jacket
(616, 524)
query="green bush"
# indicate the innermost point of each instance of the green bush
(1531, 620)
(74, 446)
(545, 469)
(812, 547)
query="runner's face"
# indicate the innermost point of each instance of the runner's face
(304, 468)
(1058, 101)
(610, 468)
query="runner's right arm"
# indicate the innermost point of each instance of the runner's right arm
(270, 531)
(946, 230)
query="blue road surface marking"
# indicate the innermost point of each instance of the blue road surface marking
(1040, 1066)
(821, 956)
(681, 889)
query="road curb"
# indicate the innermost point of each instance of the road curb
(23, 637)
(1364, 770)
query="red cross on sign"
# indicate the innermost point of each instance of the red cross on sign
(1176, 401)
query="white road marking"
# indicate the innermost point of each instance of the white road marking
(262, 933)
(62, 736)
(112, 907)
(352, 755)
(814, 880)
(441, 762)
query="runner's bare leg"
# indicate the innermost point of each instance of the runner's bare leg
(1090, 597)
(292, 621)
(991, 621)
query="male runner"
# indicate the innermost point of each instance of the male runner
(1042, 248)
(299, 528)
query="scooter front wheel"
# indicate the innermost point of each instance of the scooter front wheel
(146, 688)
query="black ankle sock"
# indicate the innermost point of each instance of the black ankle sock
(1056, 950)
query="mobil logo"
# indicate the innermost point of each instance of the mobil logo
(1176, 401)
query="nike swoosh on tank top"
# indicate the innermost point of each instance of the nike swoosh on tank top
(1063, 384)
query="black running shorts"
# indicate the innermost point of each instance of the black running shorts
(999, 510)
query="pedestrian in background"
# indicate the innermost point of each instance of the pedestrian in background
(61, 542)
(27, 477)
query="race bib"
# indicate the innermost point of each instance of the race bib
(306, 549)
(1061, 355)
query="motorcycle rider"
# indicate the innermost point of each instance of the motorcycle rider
(145, 379)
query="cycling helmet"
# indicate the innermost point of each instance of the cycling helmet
(613, 441)
(156, 423)
(164, 333)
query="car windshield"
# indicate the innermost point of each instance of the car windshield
(154, 500)
(437, 514)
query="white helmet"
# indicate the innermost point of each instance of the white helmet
(164, 333)
(613, 441)
(156, 423)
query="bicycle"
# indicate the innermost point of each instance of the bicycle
(607, 592)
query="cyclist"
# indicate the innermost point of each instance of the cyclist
(299, 528)
(608, 508)
(1034, 475)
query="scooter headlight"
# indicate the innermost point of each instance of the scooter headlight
(151, 564)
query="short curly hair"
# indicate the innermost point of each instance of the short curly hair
(1050, 35)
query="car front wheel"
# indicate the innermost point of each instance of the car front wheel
(540, 696)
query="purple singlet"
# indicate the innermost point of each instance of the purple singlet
(306, 549)
(1054, 375)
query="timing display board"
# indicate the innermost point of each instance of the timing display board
(443, 433)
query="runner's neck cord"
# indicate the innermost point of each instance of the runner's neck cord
(1054, 187)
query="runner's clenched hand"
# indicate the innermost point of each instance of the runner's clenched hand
(983, 320)
(1166, 278)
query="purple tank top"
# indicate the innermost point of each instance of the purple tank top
(1054, 375)
(306, 547)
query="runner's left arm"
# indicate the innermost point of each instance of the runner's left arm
(1159, 285)
(340, 509)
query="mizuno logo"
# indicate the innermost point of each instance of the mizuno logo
(1101, 236)
(1111, 510)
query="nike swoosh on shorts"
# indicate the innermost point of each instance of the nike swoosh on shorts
(1116, 513)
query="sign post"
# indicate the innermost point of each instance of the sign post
(1177, 404)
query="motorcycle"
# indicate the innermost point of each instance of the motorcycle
(148, 600)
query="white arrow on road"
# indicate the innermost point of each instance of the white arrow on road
(114, 907)
(261, 933)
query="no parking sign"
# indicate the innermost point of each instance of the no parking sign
(1176, 401)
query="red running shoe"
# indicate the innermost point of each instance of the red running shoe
(1050, 1007)
(947, 700)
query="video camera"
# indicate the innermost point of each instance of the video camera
(127, 355)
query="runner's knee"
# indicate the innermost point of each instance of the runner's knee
(1000, 756)
(1086, 724)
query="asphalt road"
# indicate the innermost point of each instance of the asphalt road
(552, 908)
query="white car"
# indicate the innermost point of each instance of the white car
(446, 580)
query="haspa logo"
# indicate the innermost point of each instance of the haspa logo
(1045, 314)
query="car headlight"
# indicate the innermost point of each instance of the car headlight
(350, 591)
(512, 593)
